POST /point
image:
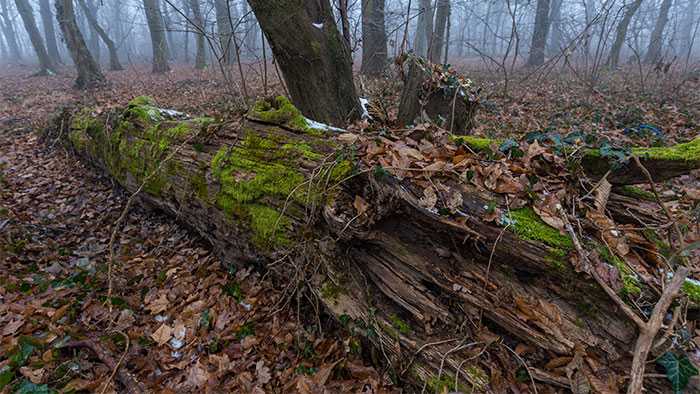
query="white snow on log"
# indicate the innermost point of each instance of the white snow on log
(322, 126)
(365, 113)
(172, 113)
(318, 25)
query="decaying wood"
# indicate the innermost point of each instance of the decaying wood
(416, 283)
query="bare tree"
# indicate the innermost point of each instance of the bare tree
(621, 32)
(539, 35)
(555, 34)
(424, 29)
(27, 14)
(313, 57)
(656, 40)
(9, 31)
(49, 32)
(157, 30)
(114, 63)
(442, 15)
(224, 27)
(374, 51)
(200, 60)
(89, 74)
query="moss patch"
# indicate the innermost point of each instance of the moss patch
(528, 225)
(690, 151)
(282, 112)
(691, 288)
(399, 324)
(478, 144)
(630, 283)
(636, 192)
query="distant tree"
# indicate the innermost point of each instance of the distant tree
(114, 63)
(93, 39)
(555, 34)
(89, 74)
(158, 42)
(200, 61)
(687, 28)
(27, 14)
(312, 55)
(539, 34)
(621, 33)
(9, 31)
(442, 16)
(47, 21)
(656, 40)
(374, 51)
(223, 26)
(424, 29)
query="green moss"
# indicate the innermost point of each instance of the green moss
(636, 192)
(399, 324)
(269, 226)
(692, 289)
(528, 225)
(282, 112)
(199, 185)
(478, 144)
(446, 383)
(690, 151)
(330, 291)
(630, 283)
(303, 149)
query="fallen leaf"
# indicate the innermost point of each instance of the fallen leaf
(162, 335)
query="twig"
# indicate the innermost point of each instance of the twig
(127, 380)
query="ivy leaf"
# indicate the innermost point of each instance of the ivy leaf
(678, 370)
(616, 156)
(27, 387)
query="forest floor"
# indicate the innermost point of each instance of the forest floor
(180, 319)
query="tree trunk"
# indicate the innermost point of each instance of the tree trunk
(554, 44)
(345, 21)
(223, 24)
(539, 35)
(621, 33)
(441, 18)
(27, 14)
(9, 32)
(374, 50)
(167, 24)
(94, 39)
(656, 40)
(89, 74)
(200, 60)
(688, 29)
(158, 42)
(424, 29)
(49, 33)
(411, 280)
(114, 63)
(314, 60)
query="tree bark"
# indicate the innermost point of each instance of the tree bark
(89, 74)
(441, 16)
(49, 32)
(554, 42)
(424, 29)
(345, 22)
(94, 38)
(656, 40)
(374, 49)
(114, 63)
(408, 278)
(539, 35)
(312, 56)
(27, 14)
(9, 32)
(157, 30)
(621, 33)
(223, 24)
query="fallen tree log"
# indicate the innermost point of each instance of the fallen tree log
(434, 294)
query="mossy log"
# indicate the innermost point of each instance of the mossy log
(414, 283)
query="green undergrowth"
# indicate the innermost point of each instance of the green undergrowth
(691, 288)
(636, 192)
(527, 225)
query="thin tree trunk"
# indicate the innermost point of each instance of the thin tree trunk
(9, 32)
(114, 63)
(200, 61)
(539, 35)
(420, 42)
(374, 50)
(27, 14)
(94, 39)
(345, 22)
(656, 40)
(621, 33)
(167, 23)
(554, 44)
(442, 14)
(312, 56)
(158, 41)
(49, 33)
(89, 74)
(223, 25)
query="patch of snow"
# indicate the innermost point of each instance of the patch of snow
(161, 318)
(318, 25)
(693, 281)
(172, 113)
(177, 343)
(321, 126)
(246, 306)
(365, 113)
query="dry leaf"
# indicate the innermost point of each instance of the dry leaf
(601, 195)
(360, 205)
(12, 327)
(162, 335)
(262, 373)
(429, 198)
